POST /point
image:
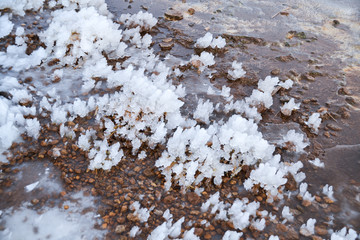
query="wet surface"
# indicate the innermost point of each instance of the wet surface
(292, 39)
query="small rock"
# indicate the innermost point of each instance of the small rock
(291, 183)
(124, 208)
(173, 15)
(308, 77)
(333, 127)
(344, 91)
(120, 229)
(158, 212)
(166, 46)
(275, 72)
(191, 11)
(306, 203)
(350, 100)
(316, 238)
(321, 231)
(207, 236)
(35, 201)
(193, 198)
(169, 199)
(131, 217)
(287, 58)
(199, 231)
(335, 22)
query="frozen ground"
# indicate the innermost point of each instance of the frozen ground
(191, 120)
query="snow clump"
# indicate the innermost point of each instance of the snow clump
(316, 162)
(314, 122)
(209, 41)
(308, 229)
(236, 71)
(5, 25)
(344, 234)
(290, 106)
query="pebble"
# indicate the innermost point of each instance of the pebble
(191, 11)
(287, 58)
(166, 46)
(173, 15)
(193, 198)
(333, 127)
(321, 231)
(120, 229)
(207, 236)
(169, 199)
(275, 72)
(306, 203)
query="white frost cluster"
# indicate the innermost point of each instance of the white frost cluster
(209, 41)
(304, 193)
(143, 19)
(287, 214)
(5, 25)
(236, 71)
(204, 60)
(20, 6)
(294, 141)
(232, 235)
(328, 191)
(344, 234)
(316, 162)
(239, 213)
(168, 229)
(142, 213)
(290, 106)
(314, 122)
(309, 227)
(204, 110)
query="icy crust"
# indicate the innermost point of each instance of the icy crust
(20, 6)
(53, 223)
(12, 118)
(241, 213)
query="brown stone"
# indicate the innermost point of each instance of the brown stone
(193, 198)
(169, 199)
(306, 203)
(120, 229)
(166, 46)
(191, 11)
(124, 208)
(333, 127)
(173, 15)
(275, 72)
(287, 58)
(281, 227)
(131, 217)
(207, 236)
(199, 231)
(291, 183)
(321, 230)
(316, 238)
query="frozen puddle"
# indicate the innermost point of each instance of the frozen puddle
(42, 210)
(52, 222)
